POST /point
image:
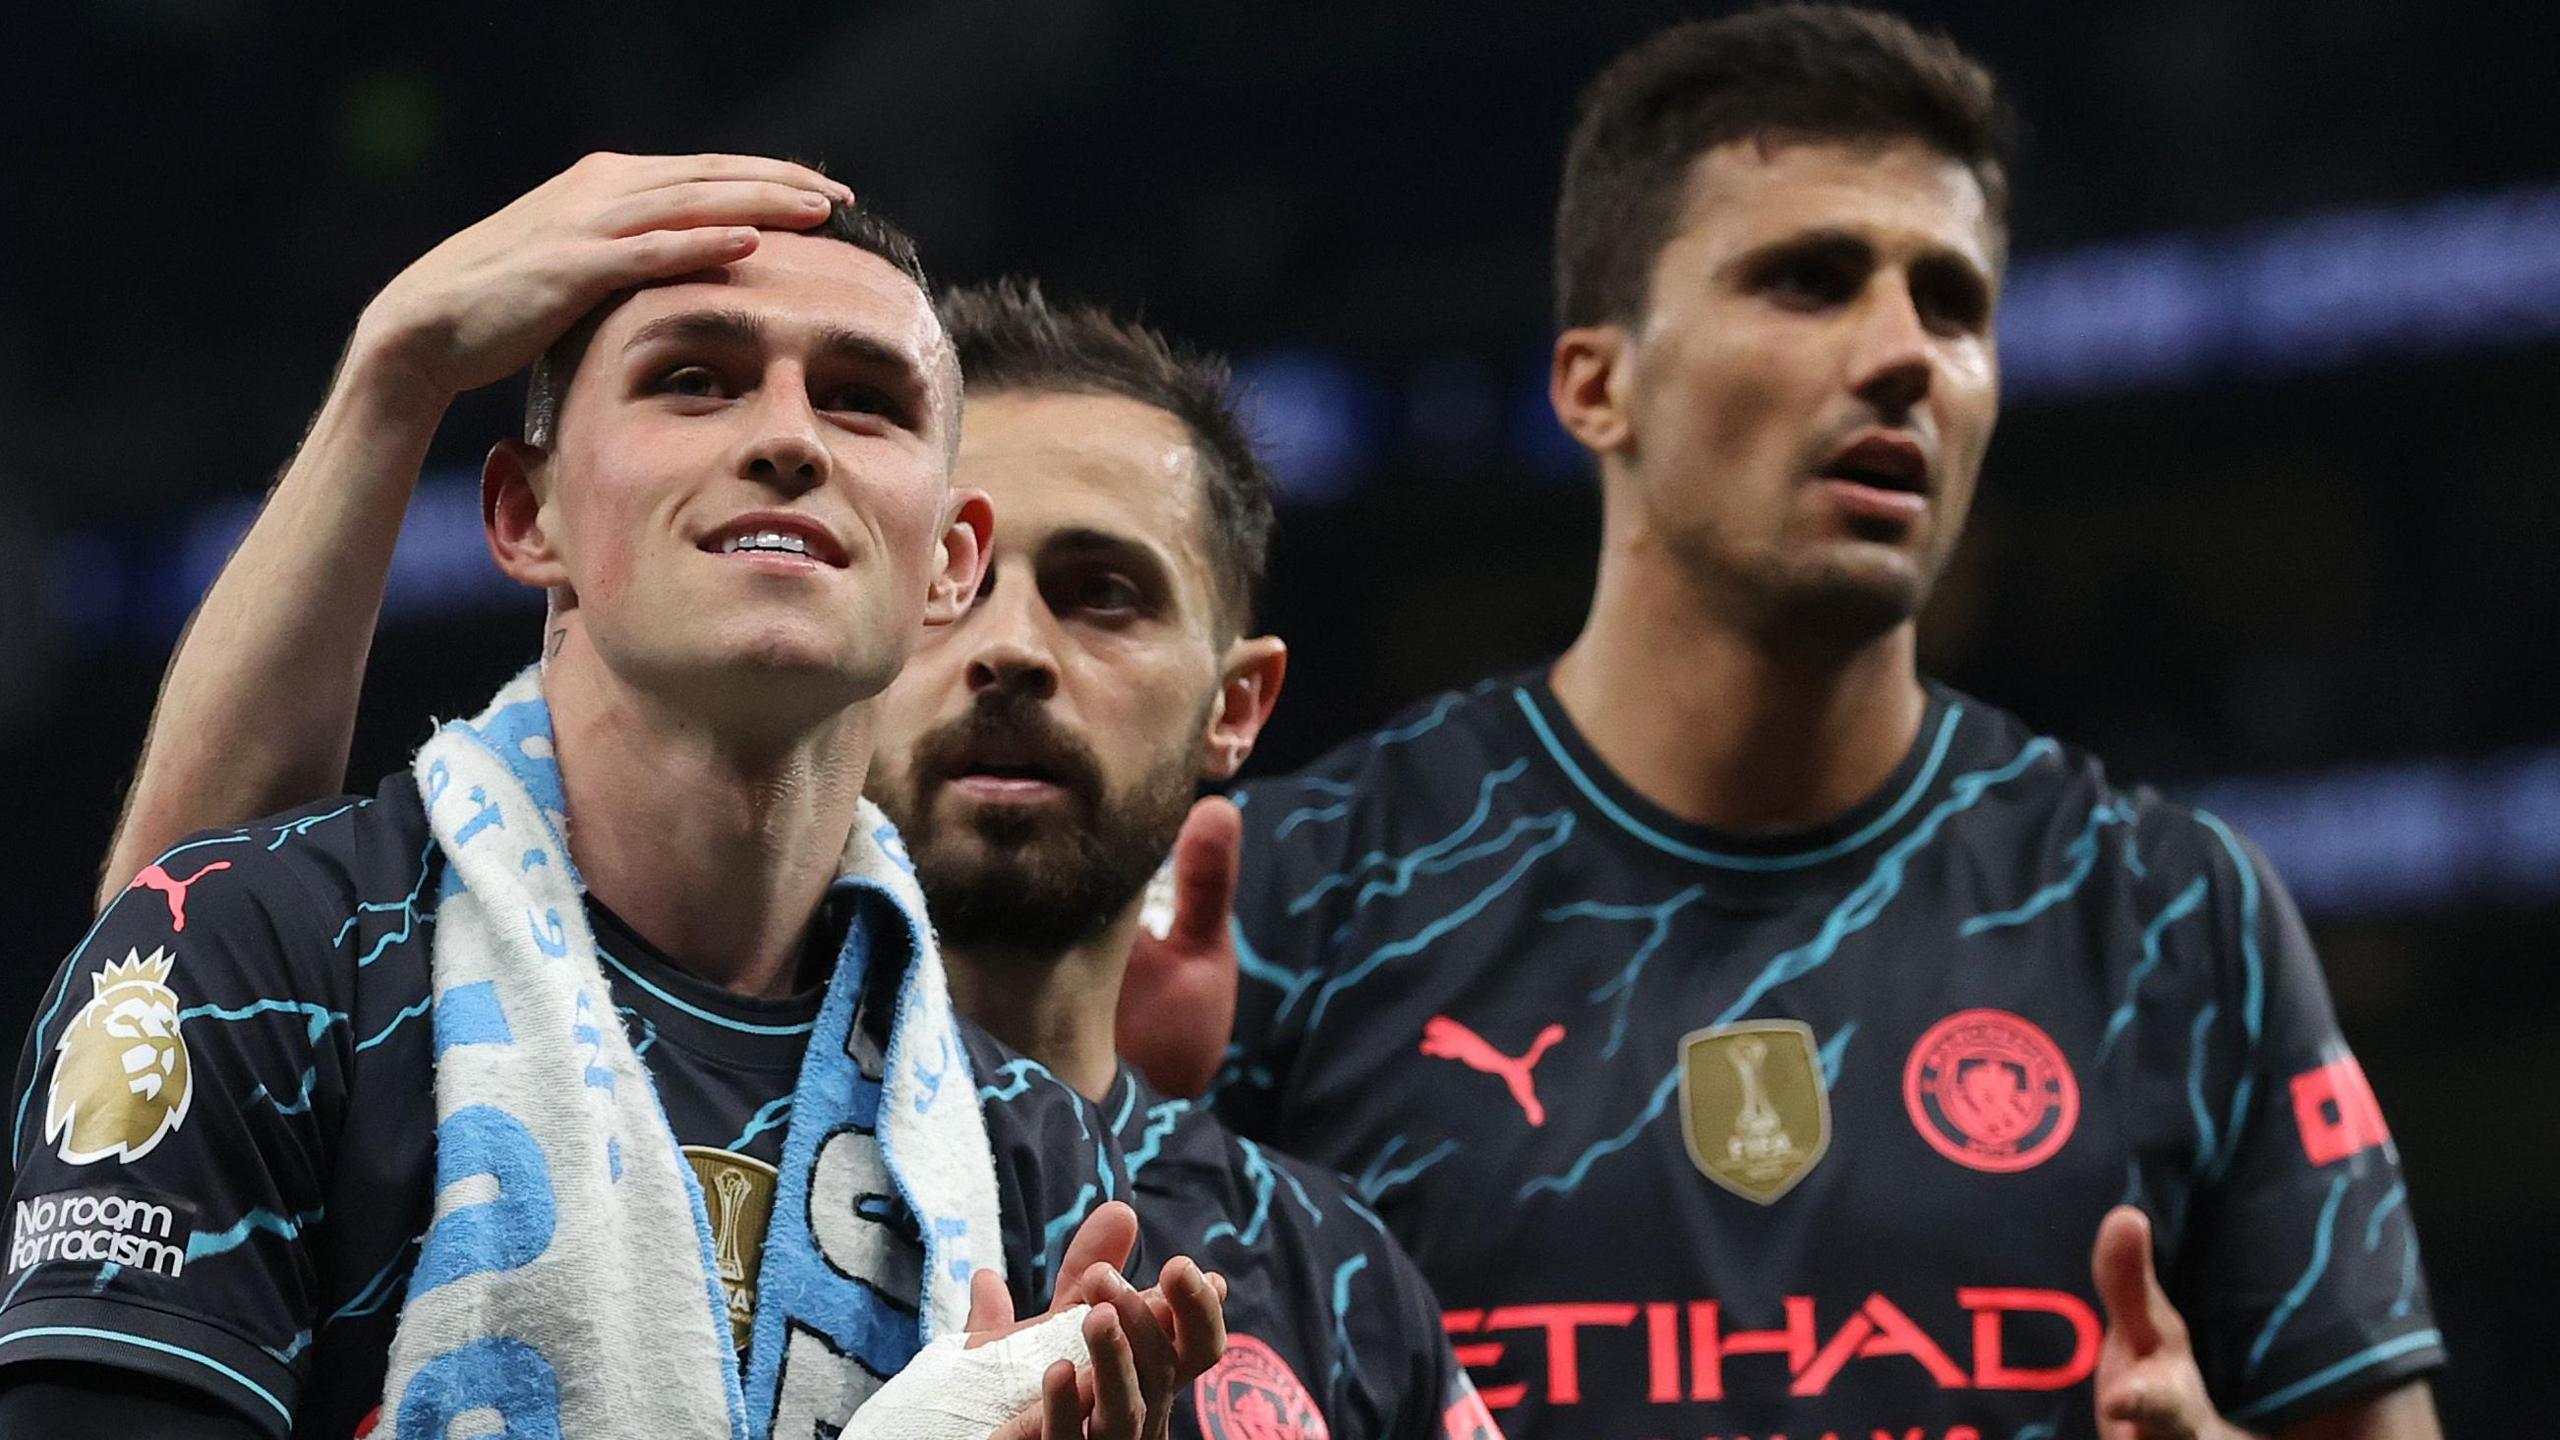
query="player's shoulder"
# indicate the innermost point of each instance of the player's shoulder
(1432, 757)
(2049, 780)
(2060, 800)
(317, 858)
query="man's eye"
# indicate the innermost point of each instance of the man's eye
(861, 400)
(1951, 305)
(1808, 281)
(691, 381)
(1106, 595)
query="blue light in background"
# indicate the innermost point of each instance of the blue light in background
(1314, 417)
(2465, 272)
(441, 564)
(2416, 835)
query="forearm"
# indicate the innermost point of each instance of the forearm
(258, 707)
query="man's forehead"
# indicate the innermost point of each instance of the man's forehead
(794, 282)
(1752, 192)
(1106, 463)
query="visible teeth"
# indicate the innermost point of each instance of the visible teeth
(765, 540)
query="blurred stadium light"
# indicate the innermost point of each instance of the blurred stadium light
(2459, 273)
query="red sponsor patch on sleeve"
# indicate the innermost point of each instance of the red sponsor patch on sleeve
(2336, 1112)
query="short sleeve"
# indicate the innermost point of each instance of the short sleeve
(2299, 1274)
(170, 1133)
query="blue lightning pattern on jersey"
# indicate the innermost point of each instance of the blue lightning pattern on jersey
(2374, 1241)
(1419, 728)
(1053, 1236)
(1346, 1356)
(222, 1242)
(406, 907)
(292, 828)
(2083, 853)
(1404, 867)
(1623, 984)
(1230, 1070)
(1855, 912)
(771, 1115)
(2323, 1237)
(1017, 1078)
(1561, 826)
(1266, 1178)
(2178, 909)
(1377, 1180)
(2253, 1002)
(1161, 1121)
(1831, 1052)
(2195, 1091)
(1292, 984)
(377, 1291)
(425, 1003)
(317, 1018)
(648, 1035)
(300, 1104)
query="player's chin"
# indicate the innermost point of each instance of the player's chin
(1856, 584)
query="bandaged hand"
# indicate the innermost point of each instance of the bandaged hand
(1140, 1347)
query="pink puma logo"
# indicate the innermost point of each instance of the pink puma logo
(155, 878)
(1446, 1039)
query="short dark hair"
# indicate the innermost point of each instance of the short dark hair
(547, 385)
(1009, 337)
(1790, 72)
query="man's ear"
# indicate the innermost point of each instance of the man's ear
(960, 556)
(1248, 688)
(1589, 379)
(511, 516)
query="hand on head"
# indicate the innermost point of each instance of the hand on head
(488, 301)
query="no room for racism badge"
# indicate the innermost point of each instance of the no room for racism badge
(1990, 1091)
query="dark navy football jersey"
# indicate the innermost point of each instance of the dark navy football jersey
(1331, 1330)
(1699, 1135)
(223, 1128)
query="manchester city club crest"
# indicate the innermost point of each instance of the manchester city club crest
(1252, 1394)
(1753, 1109)
(121, 1082)
(737, 1196)
(1991, 1091)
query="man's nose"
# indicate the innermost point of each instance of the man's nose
(785, 449)
(1011, 633)
(1895, 360)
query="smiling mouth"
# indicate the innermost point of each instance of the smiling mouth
(764, 542)
(788, 540)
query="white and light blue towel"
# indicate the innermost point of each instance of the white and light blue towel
(566, 1286)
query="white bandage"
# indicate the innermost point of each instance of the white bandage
(949, 1392)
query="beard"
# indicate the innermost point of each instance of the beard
(1033, 880)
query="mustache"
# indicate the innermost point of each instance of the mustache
(1019, 733)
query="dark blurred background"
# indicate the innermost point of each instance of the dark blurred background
(2268, 522)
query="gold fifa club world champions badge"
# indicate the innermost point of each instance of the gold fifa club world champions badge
(1754, 1110)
